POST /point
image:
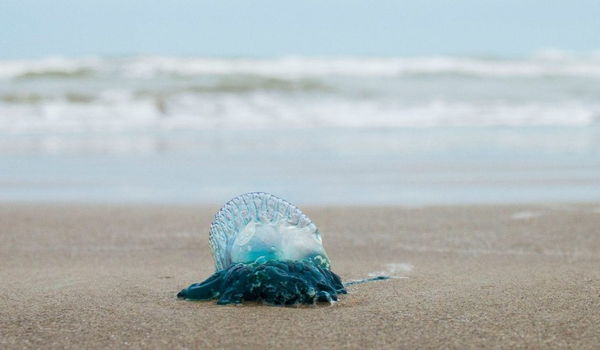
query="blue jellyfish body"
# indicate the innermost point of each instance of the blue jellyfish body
(265, 249)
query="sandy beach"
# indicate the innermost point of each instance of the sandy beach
(98, 276)
(447, 152)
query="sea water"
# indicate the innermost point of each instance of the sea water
(343, 130)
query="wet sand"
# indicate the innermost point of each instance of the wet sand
(98, 276)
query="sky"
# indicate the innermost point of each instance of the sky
(38, 28)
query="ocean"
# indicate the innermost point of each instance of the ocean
(314, 130)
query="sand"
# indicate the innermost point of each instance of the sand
(98, 276)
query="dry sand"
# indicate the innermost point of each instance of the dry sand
(488, 276)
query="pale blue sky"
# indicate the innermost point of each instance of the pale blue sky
(35, 28)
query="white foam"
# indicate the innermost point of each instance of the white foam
(261, 111)
(392, 269)
(525, 215)
(545, 64)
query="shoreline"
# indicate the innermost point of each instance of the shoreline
(105, 275)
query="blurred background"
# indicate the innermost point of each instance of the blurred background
(337, 102)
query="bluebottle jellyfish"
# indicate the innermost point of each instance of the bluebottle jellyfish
(265, 249)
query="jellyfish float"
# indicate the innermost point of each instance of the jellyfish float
(265, 249)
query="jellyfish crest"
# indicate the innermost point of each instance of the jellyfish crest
(261, 225)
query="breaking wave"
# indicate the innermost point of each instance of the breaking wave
(128, 93)
(545, 64)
